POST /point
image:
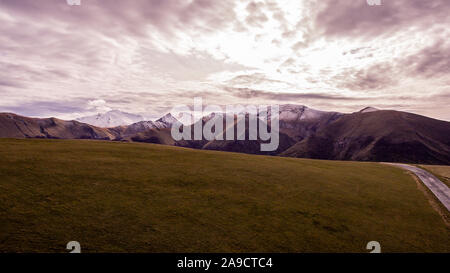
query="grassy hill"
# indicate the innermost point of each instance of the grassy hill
(136, 197)
(389, 136)
(15, 126)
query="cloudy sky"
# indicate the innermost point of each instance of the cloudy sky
(146, 56)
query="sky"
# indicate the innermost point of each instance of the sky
(145, 57)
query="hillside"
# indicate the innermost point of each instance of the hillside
(15, 126)
(132, 197)
(299, 122)
(239, 146)
(379, 136)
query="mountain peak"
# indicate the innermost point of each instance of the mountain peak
(292, 112)
(369, 109)
(292, 107)
(166, 121)
(111, 118)
(167, 118)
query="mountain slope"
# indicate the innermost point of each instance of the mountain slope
(247, 146)
(125, 132)
(362, 136)
(156, 136)
(296, 123)
(165, 122)
(299, 121)
(379, 136)
(15, 126)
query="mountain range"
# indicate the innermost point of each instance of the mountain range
(368, 135)
(111, 118)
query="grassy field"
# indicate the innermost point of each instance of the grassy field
(135, 197)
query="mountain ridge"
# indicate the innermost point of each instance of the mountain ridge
(381, 135)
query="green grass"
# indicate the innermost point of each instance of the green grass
(132, 197)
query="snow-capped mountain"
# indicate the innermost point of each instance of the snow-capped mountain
(165, 121)
(143, 126)
(287, 112)
(292, 112)
(136, 123)
(111, 119)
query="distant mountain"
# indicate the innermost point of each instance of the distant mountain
(299, 121)
(15, 126)
(166, 121)
(132, 130)
(382, 135)
(296, 122)
(157, 136)
(111, 119)
(247, 146)
(125, 132)
(366, 135)
(147, 131)
(292, 112)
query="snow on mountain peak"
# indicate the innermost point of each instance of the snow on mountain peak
(168, 118)
(293, 112)
(165, 121)
(111, 118)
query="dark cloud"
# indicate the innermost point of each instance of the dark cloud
(128, 17)
(432, 61)
(247, 93)
(429, 62)
(23, 76)
(355, 50)
(375, 77)
(357, 18)
(10, 83)
(255, 78)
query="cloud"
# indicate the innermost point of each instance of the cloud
(256, 15)
(375, 77)
(251, 79)
(130, 18)
(9, 83)
(247, 93)
(45, 108)
(357, 18)
(142, 56)
(432, 61)
(99, 106)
